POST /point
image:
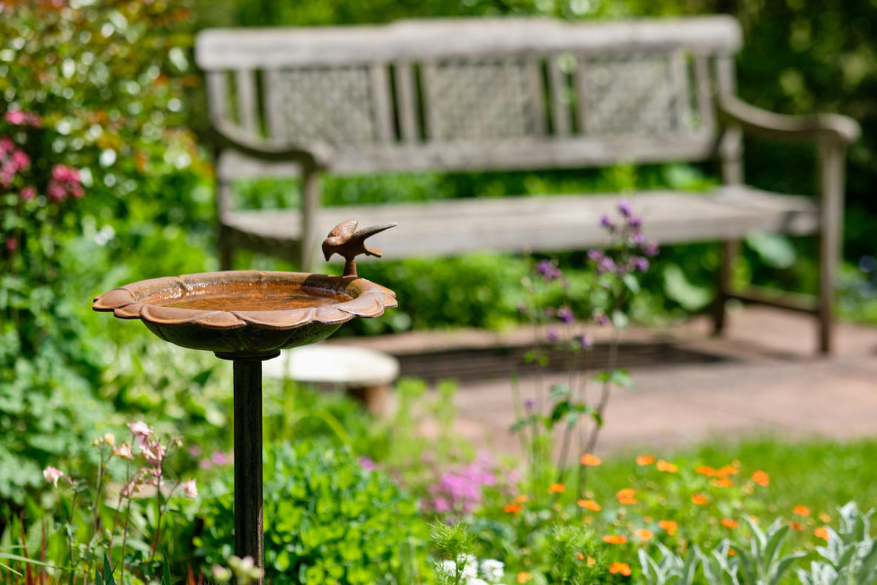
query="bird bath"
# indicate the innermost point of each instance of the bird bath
(248, 316)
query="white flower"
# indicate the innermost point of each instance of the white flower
(469, 566)
(123, 451)
(476, 581)
(189, 489)
(53, 475)
(492, 570)
(448, 568)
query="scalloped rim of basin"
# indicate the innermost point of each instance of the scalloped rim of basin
(133, 301)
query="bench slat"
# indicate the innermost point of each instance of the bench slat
(548, 224)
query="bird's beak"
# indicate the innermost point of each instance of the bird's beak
(375, 229)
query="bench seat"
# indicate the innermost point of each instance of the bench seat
(543, 223)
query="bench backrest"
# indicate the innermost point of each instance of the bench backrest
(477, 94)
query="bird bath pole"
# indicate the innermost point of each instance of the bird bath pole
(248, 316)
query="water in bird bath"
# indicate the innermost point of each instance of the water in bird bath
(256, 299)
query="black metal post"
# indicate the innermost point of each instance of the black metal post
(248, 460)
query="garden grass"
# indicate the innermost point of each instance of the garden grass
(822, 475)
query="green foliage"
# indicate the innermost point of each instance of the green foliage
(327, 520)
(573, 556)
(850, 555)
(671, 569)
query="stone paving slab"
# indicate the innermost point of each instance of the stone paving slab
(769, 381)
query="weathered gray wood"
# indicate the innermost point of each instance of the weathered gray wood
(679, 72)
(407, 112)
(831, 179)
(275, 125)
(430, 122)
(381, 102)
(581, 94)
(731, 145)
(704, 94)
(537, 95)
(428, 40)
(557, 88)
(540, 224)
(245, 86)
(217, 95)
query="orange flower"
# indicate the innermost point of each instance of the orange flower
(589, 505)
(592, 561)
(556, 488)
(524, 577)
(645, 460)
(796, 526)
(513, 508)
(699, 500)
(824, 517)
(761, 478)
(705, 470)
(666, 466)
(627, 496)
(801, 511)
(728, 523)
(615, 539)
(622, 568)
(580, 556)
(722, 483)
(732, 553)
(590, 460)
(644, 534)
(821, 532)
(725, 471)
(668, 526)
(522, 498)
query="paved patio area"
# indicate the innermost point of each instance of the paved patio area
(762, 377)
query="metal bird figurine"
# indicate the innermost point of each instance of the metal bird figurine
(345, 241)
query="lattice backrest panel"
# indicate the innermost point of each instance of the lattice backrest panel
(482, 101)
(335, 106)
(456, 94)
(635, 94)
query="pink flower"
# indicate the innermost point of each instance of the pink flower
(11, 244)
(189, 489)
(6, 145)
(140, 429)
(20, 159)
(19, 118)
(65, 181)
(28, 193)
(153, 452)
(366, 463)
(53, 475)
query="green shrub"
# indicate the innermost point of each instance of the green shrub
(327, 520)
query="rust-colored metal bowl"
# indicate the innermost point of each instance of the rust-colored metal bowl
(247, 313)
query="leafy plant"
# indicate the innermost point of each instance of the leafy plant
(671, 569)
(327, 520)
(850, 556)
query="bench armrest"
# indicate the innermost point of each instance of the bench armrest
(314, 156)
(769, 125)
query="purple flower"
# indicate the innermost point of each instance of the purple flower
(638, 238)
(529, 404)
(635, 222)
(565, 315)
(548, 270)
(624, 207)
(601, 318)
(651, 249)
(585, 341)
(606, 223)
(595, 254)
(606, 264)
(552, 335)
(366, 463)
(639, 264)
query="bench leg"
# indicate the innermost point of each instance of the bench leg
(723, 284)
(831, 178)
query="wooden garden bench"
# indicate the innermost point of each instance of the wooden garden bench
(508, 94)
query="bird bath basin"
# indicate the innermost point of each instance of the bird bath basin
(248, 316)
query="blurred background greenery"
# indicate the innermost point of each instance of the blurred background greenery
(114, 83)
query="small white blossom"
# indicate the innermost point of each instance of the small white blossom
(492, 570)
(448, 568)
(469, 566)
